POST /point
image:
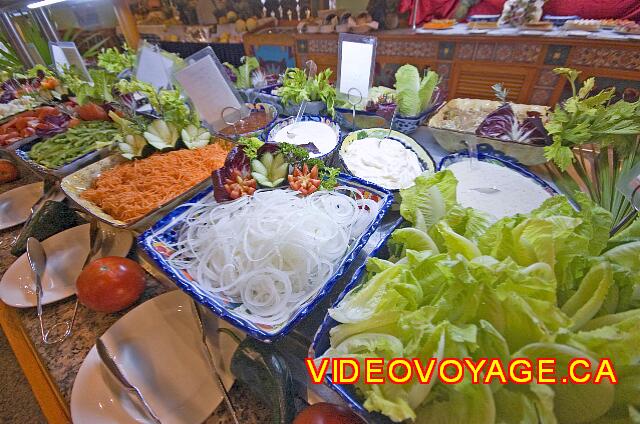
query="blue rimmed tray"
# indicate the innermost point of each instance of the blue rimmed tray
(321, 341)
(501, 160)
(156, 240)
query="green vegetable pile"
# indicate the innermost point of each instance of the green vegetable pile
(141, 134)
(101, 90)
(413, 94)
(243, 72)
(115, 61)
(586, 118)
(551, 284)
(297, 86)
(64, 148)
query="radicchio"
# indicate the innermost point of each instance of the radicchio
(56, 124)
(503, 124)
(236, 159)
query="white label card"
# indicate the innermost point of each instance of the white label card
(66, 54)
(154, 68)
(205, 85)
(355, 67)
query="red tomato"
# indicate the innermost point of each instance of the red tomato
(110, 284)
(327, 413)
(92, 112)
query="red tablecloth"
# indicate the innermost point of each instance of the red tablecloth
(588, 9)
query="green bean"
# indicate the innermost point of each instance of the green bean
(64, 148)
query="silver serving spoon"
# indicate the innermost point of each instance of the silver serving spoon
(487, 190)
(108, 360)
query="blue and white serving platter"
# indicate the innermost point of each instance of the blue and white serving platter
(156, 243)
(321, 340)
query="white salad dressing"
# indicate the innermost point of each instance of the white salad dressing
(304, 132)
(517, 193)
(384, 162)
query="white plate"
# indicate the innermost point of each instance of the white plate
(16, 204)
(66, 254)
(157, 345)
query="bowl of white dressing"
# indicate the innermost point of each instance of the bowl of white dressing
(389, 160)
(498, 187)
(320, 135)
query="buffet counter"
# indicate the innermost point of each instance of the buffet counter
(471, 63)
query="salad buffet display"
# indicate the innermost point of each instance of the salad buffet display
(286, 224)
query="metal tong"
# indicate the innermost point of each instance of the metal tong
(37, 260)
(212, 363)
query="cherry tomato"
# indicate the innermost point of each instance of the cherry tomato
(327, 413)
(110, 284)
(238, 185)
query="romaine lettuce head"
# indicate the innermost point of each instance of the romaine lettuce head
(427, 201)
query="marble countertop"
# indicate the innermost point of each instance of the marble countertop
(63, 360)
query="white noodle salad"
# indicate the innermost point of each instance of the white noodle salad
(272, 251)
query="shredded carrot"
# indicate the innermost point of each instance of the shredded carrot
(132, 189)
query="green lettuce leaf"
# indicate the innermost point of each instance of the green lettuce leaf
(427, 201)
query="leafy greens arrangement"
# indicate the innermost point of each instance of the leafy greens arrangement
(597, 139)
(100, 92)
(242, 74)
(177, 122)
(586, 118)
(547, 284)
(114, 61)
(298, 86)
(414, 94)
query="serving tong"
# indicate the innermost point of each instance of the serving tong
(38, 259)
(212, 363)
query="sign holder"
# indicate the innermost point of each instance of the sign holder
(356, 64)
(205, 82)
(155, 66)
(65, 54)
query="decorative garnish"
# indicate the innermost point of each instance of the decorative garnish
(270, 170)
(239, 184)
(250, 145)
(305, 180)
(500, 91)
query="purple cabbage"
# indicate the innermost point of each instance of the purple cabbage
(503, 124)
(57, 124)
(7, 96)
(499, 123)
(233, 77)
(236, 159)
